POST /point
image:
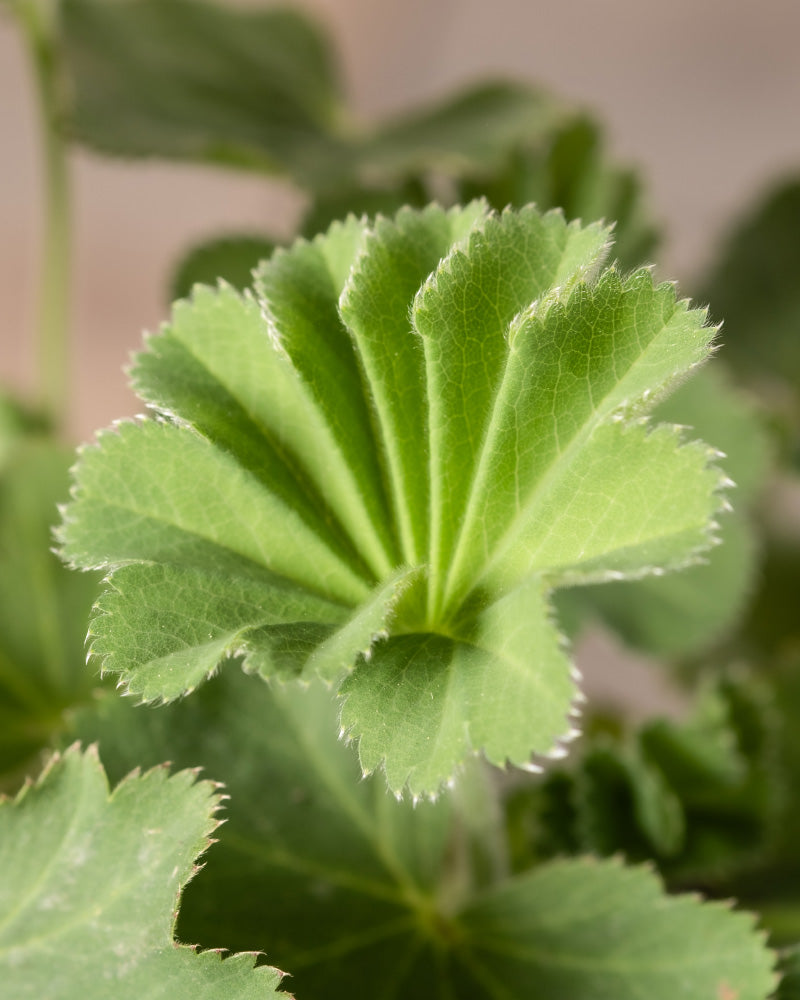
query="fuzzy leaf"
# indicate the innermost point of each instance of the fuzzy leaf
(91, 883)
(684, 613)
(681, 614)
(359, 895)
(411, 432)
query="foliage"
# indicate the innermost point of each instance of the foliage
(362, 520)
(406, 894)
(395, 469)
(90, 887)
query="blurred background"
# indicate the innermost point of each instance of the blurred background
(702, 96)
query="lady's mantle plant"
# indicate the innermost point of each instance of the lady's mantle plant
(378, 466)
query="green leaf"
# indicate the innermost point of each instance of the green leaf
(566, 167)
(359, 895)
(703, 797)
(590, 930)
(624, 803)
(189, 80)
(732, 421)
(789, 968)
(259, 89)
(419, 427)
(91, 884)
(471, 130)
(683, 614)
(230, 258)
(423, 703)
(753, 286)
(328, 873)
(18, 422)
(43, 607)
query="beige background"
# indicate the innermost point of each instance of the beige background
(703, 94)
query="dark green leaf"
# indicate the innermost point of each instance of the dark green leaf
(230, 258)
(189, 80)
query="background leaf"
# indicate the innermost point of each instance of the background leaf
(356, 893)
(231, 258)
(190, 80)
(43, 607)
(752, 286)
(567, 167)
(92, 882)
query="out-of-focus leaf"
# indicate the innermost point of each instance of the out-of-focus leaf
(360, 895)
(43, 606)
(191, 80)
(703, 797)
(754, 288)
(91, 883)
(592, 929)
(789, 968)
(567, 167)
(471, 130)
(230, 258)
(18, 422)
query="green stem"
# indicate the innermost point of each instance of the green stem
(38, 19)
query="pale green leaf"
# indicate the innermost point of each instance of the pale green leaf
(521, 258)
(397, 257)
(450, 399)
(299, 292)
(372, 621)
(91, 883)
(713, 408)
(166, 628)
(680, 614)
(684, 613)
(138, 501)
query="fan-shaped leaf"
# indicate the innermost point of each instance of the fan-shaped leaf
(394, 449)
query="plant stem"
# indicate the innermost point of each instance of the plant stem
(38, 19)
